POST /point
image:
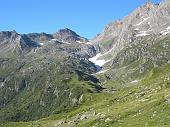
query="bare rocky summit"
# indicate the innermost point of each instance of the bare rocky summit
(148, 20)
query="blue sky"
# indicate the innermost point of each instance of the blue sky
(86, 17)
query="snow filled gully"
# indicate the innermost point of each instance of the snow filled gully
(98, 63)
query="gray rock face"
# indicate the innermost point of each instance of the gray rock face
(136, 44)
(39, 37)
(12, 43)
(147, 20)
(68, 35)
(6, 35)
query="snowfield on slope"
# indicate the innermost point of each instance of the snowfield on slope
(98, 61)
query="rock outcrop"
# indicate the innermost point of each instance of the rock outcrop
(149, 20)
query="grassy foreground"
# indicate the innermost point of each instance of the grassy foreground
(146, 104)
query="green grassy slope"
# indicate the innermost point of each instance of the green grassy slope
(135, 61)
(39, 85)
(146, 104)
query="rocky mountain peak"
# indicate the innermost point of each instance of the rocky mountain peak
(68, 32)
(149, 19)
(4, 35)
(69, 36)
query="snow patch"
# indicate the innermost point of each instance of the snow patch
(144, 19)
(66, 42)
(168, 28)
(88, 43)
(142, 34)
(149, 23)
(35, 50)
(165, 32)
(2, 84)
(41, 44)
(54, 39)
(62, 41)
(136, 29)
(97, 61)
(135, 81)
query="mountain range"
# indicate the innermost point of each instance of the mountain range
(120, 78)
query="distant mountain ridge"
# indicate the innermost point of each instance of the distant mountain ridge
(18, 43)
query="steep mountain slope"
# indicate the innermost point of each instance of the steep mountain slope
(149, 20)
(131, 47)
(37, 74)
